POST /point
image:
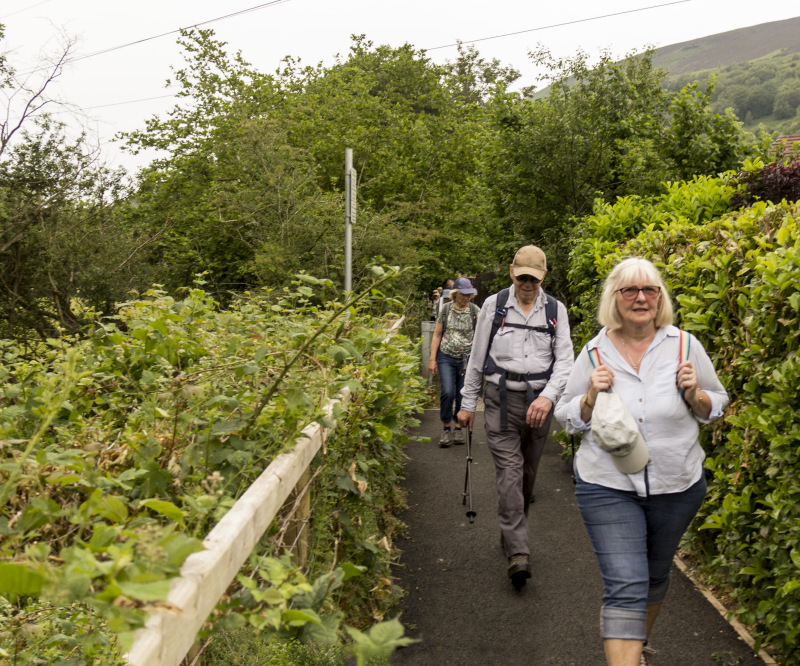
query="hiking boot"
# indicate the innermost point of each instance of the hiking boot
(458, 436)
(519, 569)
(445, 439)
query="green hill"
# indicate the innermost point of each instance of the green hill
(757, 71)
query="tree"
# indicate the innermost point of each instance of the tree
(699, 141)
(602, 132)
(475, 80)
(418, 148)
(61, 252)
(595, 134)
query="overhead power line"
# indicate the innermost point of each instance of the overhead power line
(277, 2)
(557, 25)
(133, 101)
(24, 9)
(174, 32)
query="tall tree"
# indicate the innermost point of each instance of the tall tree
(602, 131)
(61, 251)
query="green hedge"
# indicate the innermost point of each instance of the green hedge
(735, 280)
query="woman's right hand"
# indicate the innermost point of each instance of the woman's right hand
(432, 366)
(601, 379)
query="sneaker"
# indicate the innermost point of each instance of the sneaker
(458, 436)
(445, 439)
(519, 569)
(643, 660)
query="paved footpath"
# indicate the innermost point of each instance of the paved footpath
(464, 610)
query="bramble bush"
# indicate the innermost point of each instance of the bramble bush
(119, 451)
(735, 278)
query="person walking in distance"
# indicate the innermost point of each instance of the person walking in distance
(522, 347)
(451, 344)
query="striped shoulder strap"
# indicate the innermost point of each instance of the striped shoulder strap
(684, 346)
(684, 341)
(594, 356)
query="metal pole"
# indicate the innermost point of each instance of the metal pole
(348, 227)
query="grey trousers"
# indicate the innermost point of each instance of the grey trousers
(516, 452)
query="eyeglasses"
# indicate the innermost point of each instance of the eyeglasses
(527, 278)
(630, 293)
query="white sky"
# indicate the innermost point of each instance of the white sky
(116, 89)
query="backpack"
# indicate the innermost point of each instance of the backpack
(499, 321)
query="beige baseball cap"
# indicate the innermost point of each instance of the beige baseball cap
(530, 260)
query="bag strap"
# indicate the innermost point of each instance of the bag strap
(683, 354)
(594, 356)
(474, 310)
(445, 314)
(685, 341)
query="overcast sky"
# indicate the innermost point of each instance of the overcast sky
(120, 88)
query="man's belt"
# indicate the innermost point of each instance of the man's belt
(530, 394)
(517, 377)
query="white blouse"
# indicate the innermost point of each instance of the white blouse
(667, 424)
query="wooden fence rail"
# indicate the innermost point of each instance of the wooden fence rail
(205, 576)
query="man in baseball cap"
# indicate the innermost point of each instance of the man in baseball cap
(522, 346)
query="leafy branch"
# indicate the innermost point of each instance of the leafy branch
(347, 305)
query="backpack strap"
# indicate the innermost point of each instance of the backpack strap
(445, 314)
(490, 366)
(684, 341)
(474, 310)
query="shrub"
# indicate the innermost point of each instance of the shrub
(736, 280)
(119, 451)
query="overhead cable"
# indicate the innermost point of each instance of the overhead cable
(557, 25)
(24, 9)
(173, 32)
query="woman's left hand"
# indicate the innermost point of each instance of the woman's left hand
(687, 381)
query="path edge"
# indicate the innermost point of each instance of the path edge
(738, 627)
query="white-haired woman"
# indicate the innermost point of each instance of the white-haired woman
(636, 506)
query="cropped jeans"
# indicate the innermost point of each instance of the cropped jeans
(635, 539)
(451, 381)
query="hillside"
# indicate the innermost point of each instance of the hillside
(728, 48)
(756, 69)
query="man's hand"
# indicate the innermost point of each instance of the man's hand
(465, 419)
(538, 411)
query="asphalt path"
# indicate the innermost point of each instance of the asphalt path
(461, 605)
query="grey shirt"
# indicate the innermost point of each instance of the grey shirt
(518, 350)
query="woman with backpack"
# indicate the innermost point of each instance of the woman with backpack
(638, 393)
(450, 349)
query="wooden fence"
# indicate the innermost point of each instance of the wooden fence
(205, 576)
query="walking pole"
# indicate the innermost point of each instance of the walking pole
(468, 480)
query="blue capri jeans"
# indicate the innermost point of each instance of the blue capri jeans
(451, 382)
(635, 539)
